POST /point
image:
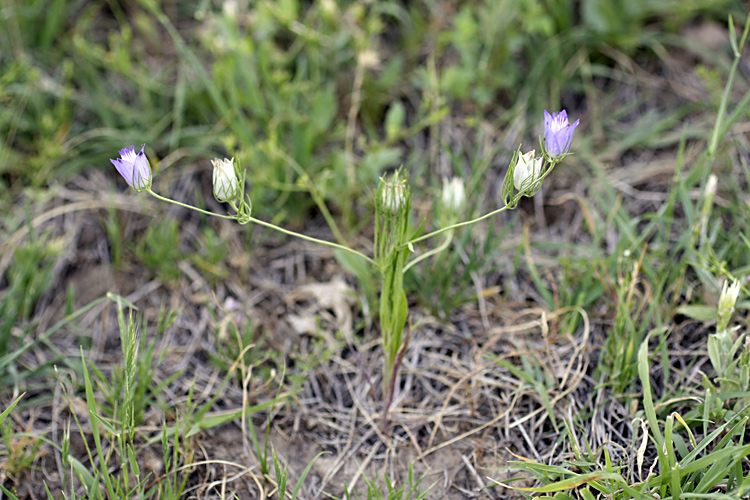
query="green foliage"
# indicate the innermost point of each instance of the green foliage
(444, 283)
(410, 490)
(113, 231)
(486, 64)
(128, 392)
(392, 232)
(159, 250)
(135, 380)
(318, 99)
(697, 452)
(238, 343)
(62, 80)
(116, 433)
(278, 93)
(211, 255)
(633, 315)
(683, 465)
(622, 23)
(280, 477)
(19, 448)
(29, 276)
(287, 83)
(10, 373)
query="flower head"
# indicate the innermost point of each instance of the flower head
(393, 193)
(226, 184)
(558, 133)
(454, 195)
(134, 168)
(727, 300)
(392, 197)
(527, 170)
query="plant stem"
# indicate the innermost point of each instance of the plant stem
(317, 198)
(314, 240)
(457, 225)
(436, 250)
(269, 225)
(175, 202)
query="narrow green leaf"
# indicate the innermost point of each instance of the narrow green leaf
(576, 481)
(648, 402)
(88, 479)
(7, 492)
(91, 404)
(301, 480)
(9, 409)
(106, 424)
(700, 312)
(133, 462)
(675, 482)
(733, 37)
(49, 493)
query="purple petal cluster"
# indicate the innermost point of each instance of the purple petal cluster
(134, 168)
(558, 133)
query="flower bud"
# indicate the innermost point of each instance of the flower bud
(226, 185)
(729, 295)
(392, 196)
(527, 171)
(454, 195)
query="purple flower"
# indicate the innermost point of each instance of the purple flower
(134, 168)
(558, 133)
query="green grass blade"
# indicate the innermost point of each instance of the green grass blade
(301, 479)
(648, 402)
(9, 409)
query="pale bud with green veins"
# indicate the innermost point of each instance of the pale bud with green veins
(727, 300)
(226, 184)
(528, 168)
(392, 195)
(454, 195)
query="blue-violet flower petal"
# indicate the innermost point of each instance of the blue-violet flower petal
(558, 133)
(134, 168)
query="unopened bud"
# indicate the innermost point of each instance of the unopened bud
(226, 185)
(727, 300)
(454, 195)
(527, 171)
(392, 196)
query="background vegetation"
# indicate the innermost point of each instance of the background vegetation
(560, 350)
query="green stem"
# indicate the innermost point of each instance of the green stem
(314, 240)
(432, 252)
(175, 202)
(269, 225)
(512, 204)
(317, 198)
(457, 225)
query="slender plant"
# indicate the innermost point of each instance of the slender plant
(394, 237)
